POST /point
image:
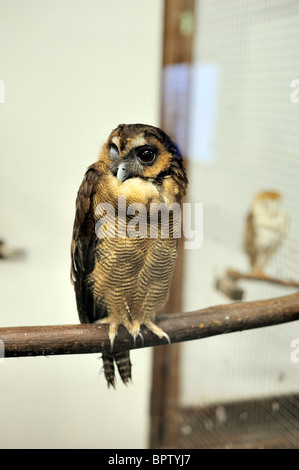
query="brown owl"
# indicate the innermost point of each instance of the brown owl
(265, 229)
(122, 276)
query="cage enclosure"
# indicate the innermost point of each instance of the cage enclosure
(231, 100)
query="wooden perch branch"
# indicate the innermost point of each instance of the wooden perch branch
(227, 284)
(236, 275)
(80, 339)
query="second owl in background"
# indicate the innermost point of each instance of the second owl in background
(265, 229)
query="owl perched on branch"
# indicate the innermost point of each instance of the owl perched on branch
(122, 276)
(265, 229)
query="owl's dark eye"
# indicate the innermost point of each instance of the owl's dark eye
(146, 155)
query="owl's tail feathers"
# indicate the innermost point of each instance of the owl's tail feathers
(108, 365)
(123, 363)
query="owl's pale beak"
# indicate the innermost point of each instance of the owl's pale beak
(122, 173)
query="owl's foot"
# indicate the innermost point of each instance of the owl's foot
(156, 330)
(133, 329)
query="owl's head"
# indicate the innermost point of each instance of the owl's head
(141, 151)
(268, 202)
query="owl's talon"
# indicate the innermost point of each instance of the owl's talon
(113, 329)
(135, 331)
(142, 339)
(136, 336)
(111, 339)
(165, 335)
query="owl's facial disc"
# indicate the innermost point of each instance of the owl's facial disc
(132, 165)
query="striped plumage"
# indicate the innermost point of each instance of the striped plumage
(119, 279)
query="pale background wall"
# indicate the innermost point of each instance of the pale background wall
(73, 70)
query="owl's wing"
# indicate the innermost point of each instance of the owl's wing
(84, 243)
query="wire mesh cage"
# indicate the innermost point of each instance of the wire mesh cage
(241, 138)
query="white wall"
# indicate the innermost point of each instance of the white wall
(73, 70)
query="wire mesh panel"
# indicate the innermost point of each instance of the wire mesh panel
(240, 390)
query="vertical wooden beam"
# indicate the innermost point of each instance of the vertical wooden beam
(177, 60)
(178, 31)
